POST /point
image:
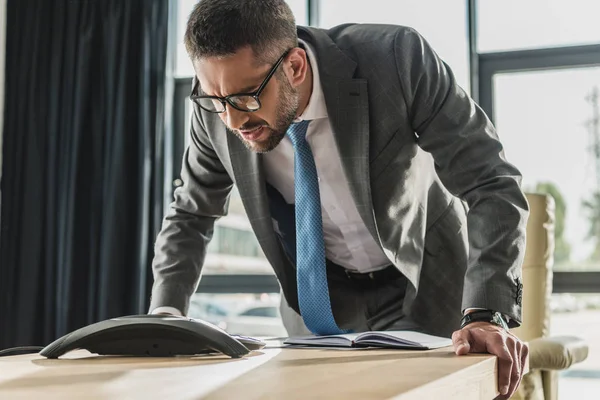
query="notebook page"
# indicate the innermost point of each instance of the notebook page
(406, 337)
(327, 340)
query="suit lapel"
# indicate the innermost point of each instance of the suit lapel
(250, 181)
(348, 109)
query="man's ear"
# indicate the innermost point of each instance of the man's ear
(296, 66)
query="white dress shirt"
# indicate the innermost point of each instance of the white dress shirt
(348, 242)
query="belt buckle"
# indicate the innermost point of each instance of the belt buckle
(359, 276)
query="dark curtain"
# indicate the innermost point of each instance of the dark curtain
(82, 176)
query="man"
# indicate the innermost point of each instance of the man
(377, 189)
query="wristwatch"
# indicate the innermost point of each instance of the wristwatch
(490, 316)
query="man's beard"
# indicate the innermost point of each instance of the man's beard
(286, 112)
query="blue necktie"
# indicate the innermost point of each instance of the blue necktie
(313, 292)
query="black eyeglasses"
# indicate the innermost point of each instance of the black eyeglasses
(247, 102)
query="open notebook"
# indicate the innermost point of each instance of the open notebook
(386, 339)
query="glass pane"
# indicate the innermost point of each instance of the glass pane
(518, 24)
(270, 312)
(240, 314)
(183, 65)
(299, 8)
(445, 29)
(543, 119)
(579, 315)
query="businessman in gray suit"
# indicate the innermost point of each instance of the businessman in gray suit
(376, 187)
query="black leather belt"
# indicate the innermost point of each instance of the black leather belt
(388, 273)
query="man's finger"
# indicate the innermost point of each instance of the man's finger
(524, 355)
(505, 364)
(461, 340)
(514, 347)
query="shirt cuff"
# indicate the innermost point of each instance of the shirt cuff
(167, 310)
(468, 310)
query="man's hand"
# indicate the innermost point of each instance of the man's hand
(484, 337)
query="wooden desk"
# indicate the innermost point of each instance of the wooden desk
(268, 374)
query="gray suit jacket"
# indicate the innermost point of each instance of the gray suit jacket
(424, 165)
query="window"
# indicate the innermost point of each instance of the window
(235, 241)
(183, 65)
(545, 121)
(442, 23)
(268, 312)
(240, 314)
(518, 24)
(300, 9)
(545, 107)
(578, 314)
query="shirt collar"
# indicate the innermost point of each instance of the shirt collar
(316, 107)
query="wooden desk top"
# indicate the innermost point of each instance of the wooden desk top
(267, 374)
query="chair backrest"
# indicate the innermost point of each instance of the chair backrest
(537, 268)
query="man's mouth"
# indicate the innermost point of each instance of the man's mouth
(253, 134)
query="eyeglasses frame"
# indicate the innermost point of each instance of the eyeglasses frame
(227, 99)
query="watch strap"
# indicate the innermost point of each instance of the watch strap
(490, 316)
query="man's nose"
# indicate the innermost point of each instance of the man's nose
(235, 118)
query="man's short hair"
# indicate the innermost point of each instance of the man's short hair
(218, 28)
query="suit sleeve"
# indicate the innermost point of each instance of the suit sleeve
(470, 162)
(180, 247)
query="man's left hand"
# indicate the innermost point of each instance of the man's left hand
(484, 337)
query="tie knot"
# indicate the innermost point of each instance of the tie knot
(297, 131)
